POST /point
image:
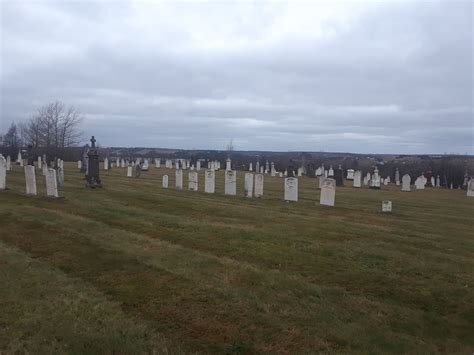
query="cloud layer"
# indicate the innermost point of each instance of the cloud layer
(357, 77)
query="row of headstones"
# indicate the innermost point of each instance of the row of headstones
(30, 179)
(253, 185)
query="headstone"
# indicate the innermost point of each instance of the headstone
(438, 181)
(375, 181)
(258, 185)
(387, 206)
(198, 165)
(39, 162)
(129, 171)
(30, 180)
(3, 173)
(106, 164)
(433, 181)
(397, 177)
(328, 192)
(146, 165)
(193, 181)
(19, 159)
(339, 176)
(250, 167)
(300, 172)
(291, 189)
(420, 183)
(210, 181)
(350, 174)
(179, 179)
(45, 168)
(257, 166)
(51, 183)
(122, 163)
(356, 178)
(9, 163)
(261, 170)
(228, 164)
(92, 176)
(248, 185)
(331, 171)
(320, 181)
(230, 187)
(165, 181)
(406, 181)
(470, 188)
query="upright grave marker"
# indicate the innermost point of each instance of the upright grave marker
(193, 181)
(230, 187)
(406, 181)
(470, 188)
(356, 178)
(92, 176)
(3, 173)
(291, 189)
(179, 179)
(258, 185)
(30, 180)
(51, 183)
(248, 185)
(210, 181)
(328, 192)
(165, 181)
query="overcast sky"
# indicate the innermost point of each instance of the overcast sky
(369, 77)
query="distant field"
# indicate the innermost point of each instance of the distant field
(133, 267)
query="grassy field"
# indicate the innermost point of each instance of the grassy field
(135, 268)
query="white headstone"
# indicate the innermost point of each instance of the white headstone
(45, 168)
(331, 172)
(129, 171)
(3, 173)
(228, 164)
(328, 192)
(406, 181)
(350, 174)
(106, 164)
(230, 187)
(122, 163)
(320, 181)
(39, 163)
(248, 185)
(51, 183)
(356, 177)
(179, 179)
(470, 188)
(30, 180)
(261, 170)
(258, 185)
(9, 163)
(386, 206)
(291, 189)
(433, 181)
(165, 181)
(79, 164)
(193, 181)
(250, 167)
(198, 165)
(210, 181)
(420, 183)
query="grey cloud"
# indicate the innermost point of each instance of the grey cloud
(388, 78)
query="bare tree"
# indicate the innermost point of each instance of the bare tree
(53, 127)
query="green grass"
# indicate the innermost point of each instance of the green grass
(133, 267)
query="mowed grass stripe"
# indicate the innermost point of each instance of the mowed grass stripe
(44, 309)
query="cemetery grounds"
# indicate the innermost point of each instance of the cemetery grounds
(133, 268)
